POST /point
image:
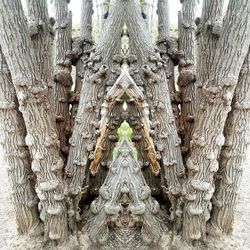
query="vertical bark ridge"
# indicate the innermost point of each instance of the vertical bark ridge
(233, 155)
(208, 32)
(83, 139)
(17, 157)
(163, 37)
(187, 73)
(86, 44)
(214, 105)
(62, 70)
(40, 30)
(41, 138)
(163, 130)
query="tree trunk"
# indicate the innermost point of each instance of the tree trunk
(40, 30)
(163, 43)
(62, 70)
(86, 44)
(213, 108)
(83, 139)
(163, 129)
(42, 140)
(233, 155)
(17, 157)
(208, 33)
(187, 74)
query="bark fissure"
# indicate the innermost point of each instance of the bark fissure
(62, 70)
(41, 138)
(232, 156)
(214, 106)
(17, 156)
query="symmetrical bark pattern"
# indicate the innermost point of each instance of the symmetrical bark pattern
(125, 199)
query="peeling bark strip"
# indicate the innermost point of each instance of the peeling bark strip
(187, 74)
(17, 157)
(233, 155)
(62, 71)
(32, 94)
(214, 106)
(85, 41)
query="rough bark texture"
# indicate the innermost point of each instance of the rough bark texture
(125, 200)
(233, 155)
(62, 70)
(17, 157)
(163, 44)
(41, 33)
(187, 74)
(41, 137)
(214, 105)
(208, 33)
(86, 43)
(83, 139)
(163, 129)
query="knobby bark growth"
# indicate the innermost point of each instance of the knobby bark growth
(17, 156)
(146, 177)
(187, 73)
(41, 138)
(213, 107)
(62, 70)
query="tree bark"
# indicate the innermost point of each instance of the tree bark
(86, 44)
(163, 128)
(62, 70)
(207, 35)
(83, 139)
(163, 42)
(214, 105)
(41, 32)
(17, 157)
(233, 155)
(187, 74)
(42, 140)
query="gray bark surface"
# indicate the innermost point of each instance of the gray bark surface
(86, 44)
(41, 138)
(187, 73)
(214, 105)
(163, 129)
(125, 200)
(62, 70)
(207, 34)
(85, 131)
(163, 43)
(17, 156)
(233, 155)
(41, 34)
